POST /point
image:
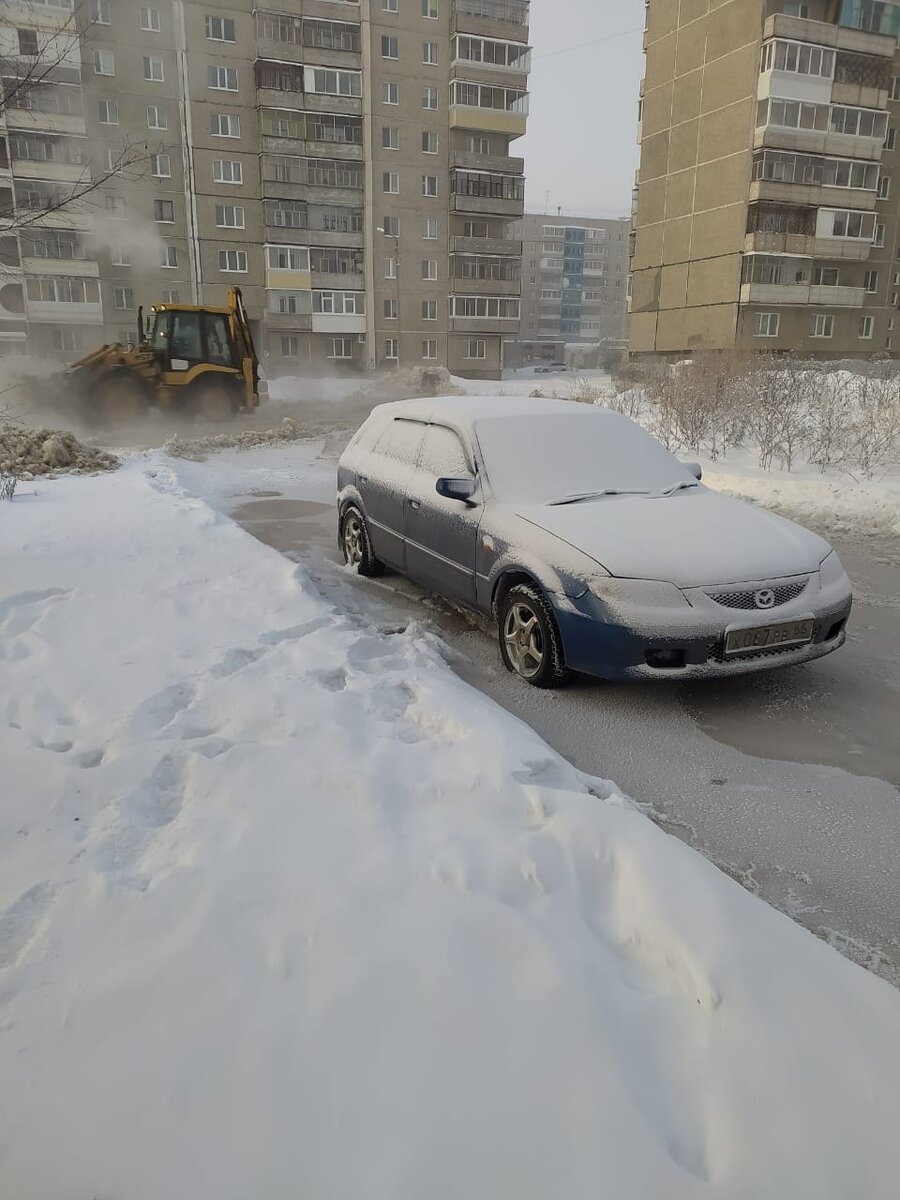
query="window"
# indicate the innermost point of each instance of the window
(476, 144)
(104, 62)
(429, 348)
(290, 346)
(168, 256)
(28, 43)
(222, 79)
(476, 229)
(392, 348)
(65, 290)
(150, 22)
(878, 239)
(119, 257)
(161, 166)
(429, 142)
(884, 187)
(826, 276)
(429, 310)
(799, 58)
(116, 206)
(228, 170)
(219, 29)
(123, 298)
(430, 229)
(866, 327)
(484, 306)
(442, 453)
(390, 93)
(890, 141)
(156, 117)
(766, 324)
(170, 296)
(430, 9)
(389, 46)
(229, 216)
(485, 95)
(164, 211)
(390, 268)
(66, 339)
(795, 10)
(346, 303)
(871, 282)
(333, 83)
(895, 87)
(429, 268)
(390, 182)
(389, 5)
(100, 12)
(390, 137)
(225, 125)
(821, 325)
(430, 97)
(287, 258)
(153, 68)
(846, 223)
(476, 348)
(430, 53)
(390, 310)
(341, 347)
(429, 185)
(108, 112)
(233, 260)
(390, 226)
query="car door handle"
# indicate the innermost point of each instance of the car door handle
(417, 504)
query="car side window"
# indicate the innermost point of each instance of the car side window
(401, 441)
(442, 454)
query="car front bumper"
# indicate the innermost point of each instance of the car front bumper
(622, 646)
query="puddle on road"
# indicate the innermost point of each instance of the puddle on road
(277, 510)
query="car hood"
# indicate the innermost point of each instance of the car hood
(692, 539)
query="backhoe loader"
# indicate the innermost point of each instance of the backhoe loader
(189, 358)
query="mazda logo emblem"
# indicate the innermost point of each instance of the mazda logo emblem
(765, 598)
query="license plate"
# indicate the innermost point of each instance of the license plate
(769, 637)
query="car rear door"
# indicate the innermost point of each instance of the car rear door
(441, 534)
(381, 479)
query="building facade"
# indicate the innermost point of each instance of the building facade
(346, 162)
(574, 283)
(767, 209)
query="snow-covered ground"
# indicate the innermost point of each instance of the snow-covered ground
(287, 909)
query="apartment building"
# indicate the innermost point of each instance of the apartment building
(767, 198)
(574, 284)
(346, 162)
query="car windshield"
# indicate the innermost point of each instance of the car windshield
(542, 458)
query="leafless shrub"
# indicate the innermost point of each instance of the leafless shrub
(584, 390)
(7, 486)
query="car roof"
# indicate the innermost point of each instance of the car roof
(464, 411)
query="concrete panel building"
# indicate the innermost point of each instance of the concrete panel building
(766, 211)
(346, 162)
(574, 284)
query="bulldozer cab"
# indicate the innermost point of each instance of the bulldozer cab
(185, 338)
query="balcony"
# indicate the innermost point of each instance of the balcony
(807, 246)
(493, 109)
(86, 268)
(289, 322)
(473, 245)
(483, 193)
(819, 141)
(488, 206)
(505, 164)
(802, 294)
(35, 120)
(506, 20)
(820, 33)
(57, 312)
(339, 323)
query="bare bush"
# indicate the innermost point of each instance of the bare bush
(584, 390)
(7, 486)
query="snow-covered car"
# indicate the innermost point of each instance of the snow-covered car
(596, 550)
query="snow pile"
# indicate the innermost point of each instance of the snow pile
(287, 909)
(197, 448)
(27, 453)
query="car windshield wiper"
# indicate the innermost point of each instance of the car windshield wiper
(577, 497)
(677, 487)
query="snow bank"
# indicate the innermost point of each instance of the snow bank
(287, 910)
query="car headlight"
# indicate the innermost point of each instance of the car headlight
(831, 570)
(637, 593)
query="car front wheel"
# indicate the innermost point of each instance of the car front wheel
(356, 543)
(529, 638)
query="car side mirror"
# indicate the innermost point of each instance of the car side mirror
(695, 469)
(462, 488)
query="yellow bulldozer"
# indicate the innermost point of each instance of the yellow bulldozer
(193, 359)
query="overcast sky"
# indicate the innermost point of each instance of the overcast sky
(580, 144)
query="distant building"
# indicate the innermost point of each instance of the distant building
(766, 214)
(574, 274)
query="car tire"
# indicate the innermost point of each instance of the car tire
(530, 644)
(356, 544)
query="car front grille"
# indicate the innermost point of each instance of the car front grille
(746, 600)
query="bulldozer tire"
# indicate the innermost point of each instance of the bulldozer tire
(120, 398)
(215, 400)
